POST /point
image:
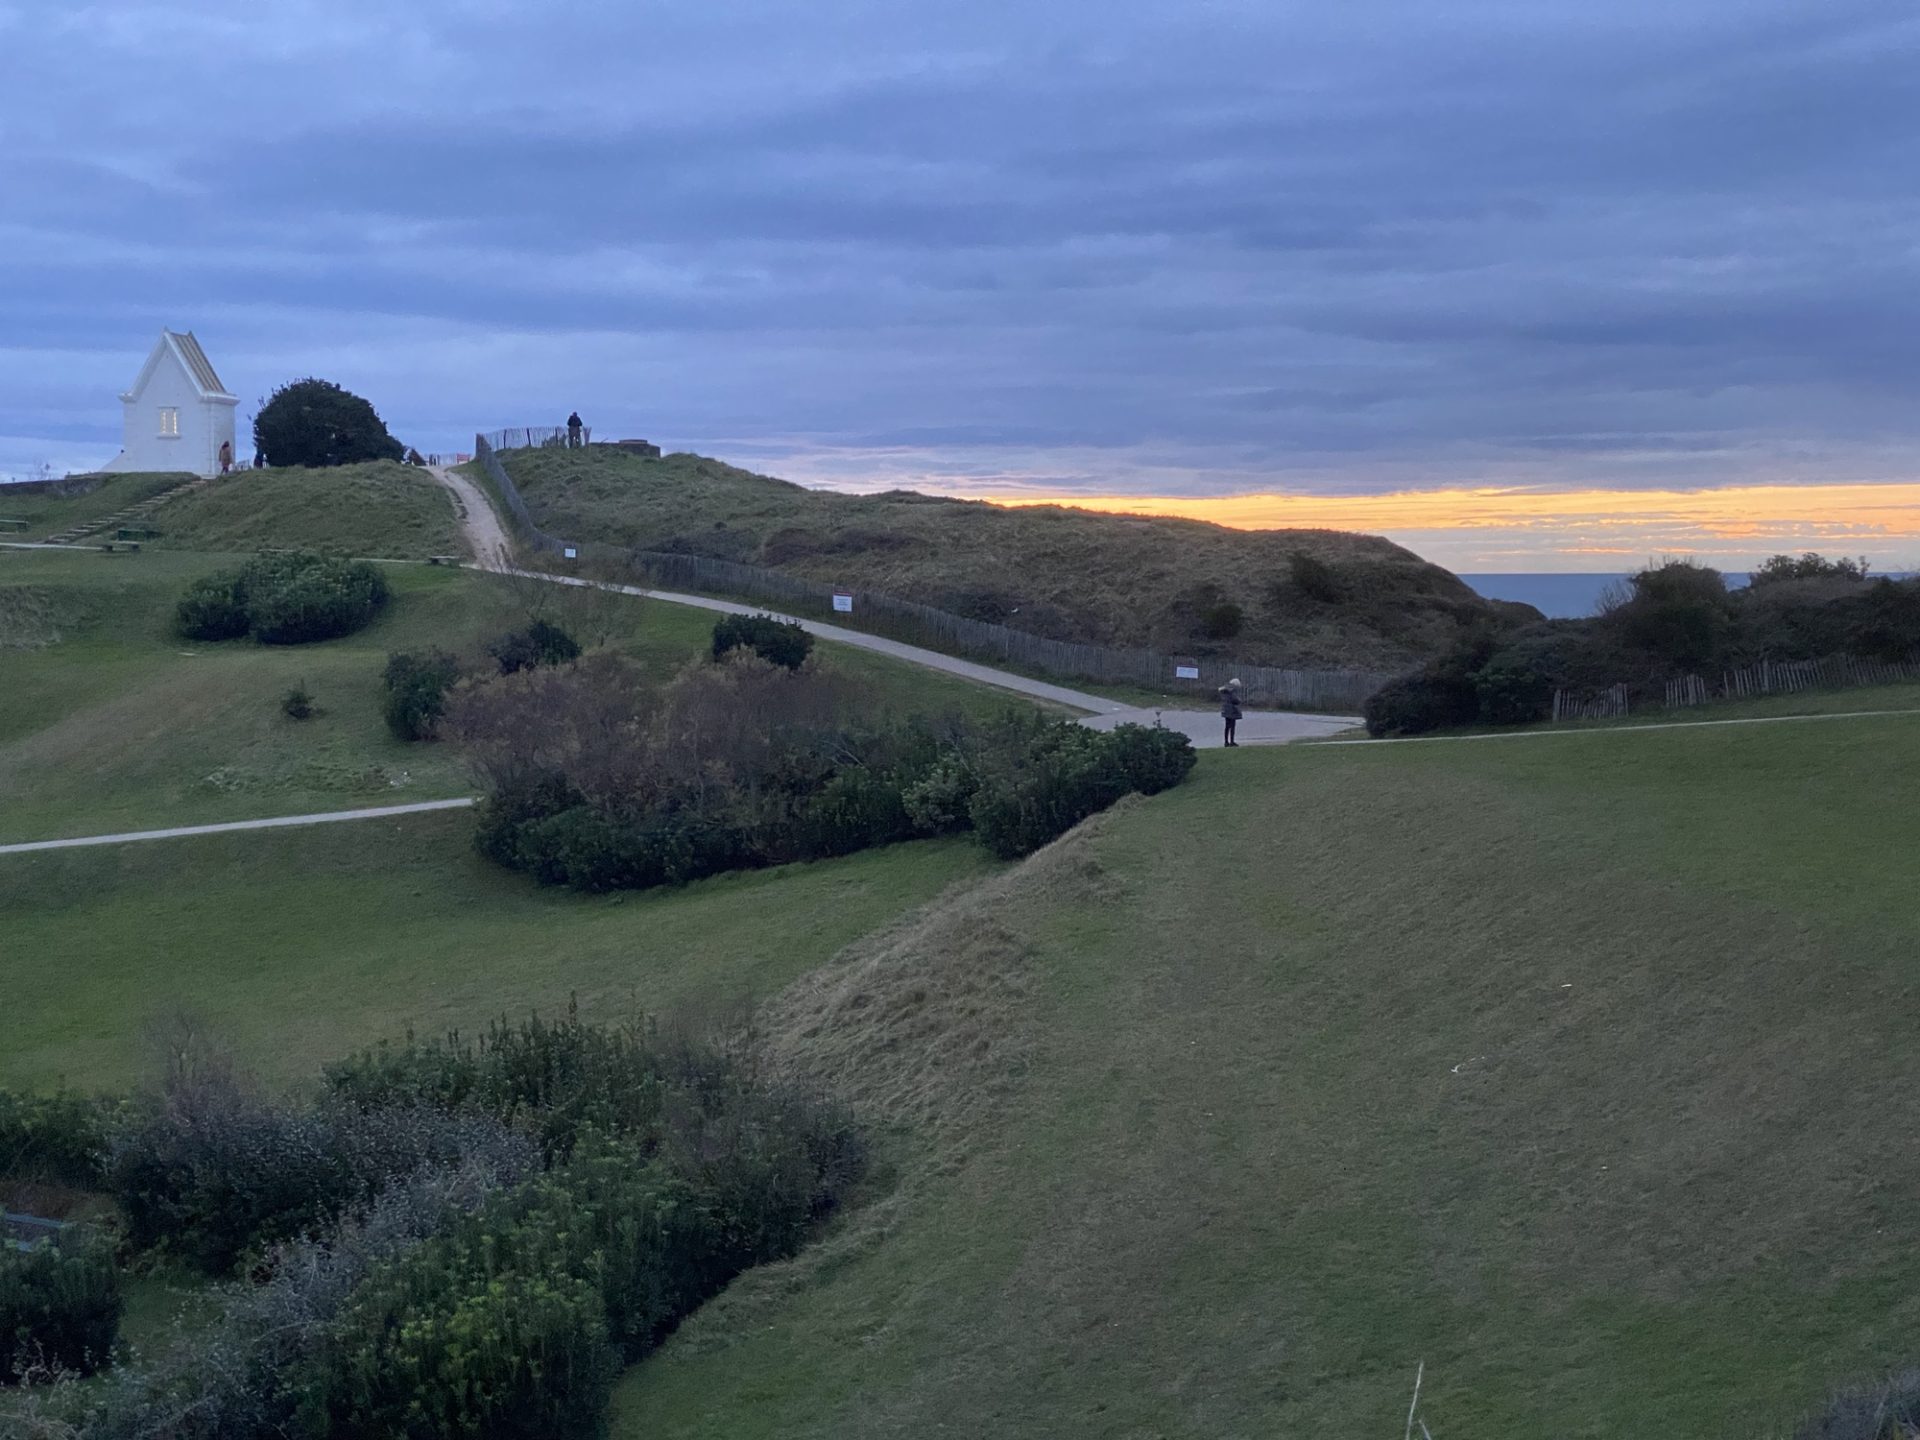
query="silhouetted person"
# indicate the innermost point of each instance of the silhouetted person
(226, 457)
(1230, 708)
(573, 431)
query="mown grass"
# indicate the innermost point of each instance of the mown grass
(109, 722)
(1580, 1074)
(48, 514)
(295, 947)
(377, 509)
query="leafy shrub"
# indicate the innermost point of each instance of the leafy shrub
(315, 422)
(1314, 578)
(1884, 622)
(417, 687)
(1809, 566)
(292, 599)
(1221, 621)
(1512, 694)
(779, 642)
(60, 1137)
(297, 703)
(60, 1307)
(1032, 793)
(1149, 758)
(213, 609)
(937, 802)
(541, 643)
(1677, 614)
(1415, 704)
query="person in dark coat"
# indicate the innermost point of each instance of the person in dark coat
(1230, 708)
(573, 431)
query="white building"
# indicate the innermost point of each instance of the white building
(178, 414)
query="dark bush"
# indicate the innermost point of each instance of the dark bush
(1512, 694)
(212, 609)
(1809, 566)
(1416, 704)
(1315, 578)
(315, 422)
(1149, 758)
(855, 810)
(937, 800)
(1034, 792)
(779, 642)
(1678, 615)
(1887, 1411)
(541, 643)
(417, 687)
(60, 1137)
(1884, 622)
(1221, 621)
(297, 703)
(60, 1307)
(291, 599)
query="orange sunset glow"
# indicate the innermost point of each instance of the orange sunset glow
(1512, 528)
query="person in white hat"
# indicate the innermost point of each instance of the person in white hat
(1230, 707)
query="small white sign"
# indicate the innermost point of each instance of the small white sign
(571, 553)
(843, 601)
(1186, 672)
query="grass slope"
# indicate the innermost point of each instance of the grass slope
(110, 722)
(382, 508)
(49, 512)
(1578, 1070)
(1071, 574)
(298, 946)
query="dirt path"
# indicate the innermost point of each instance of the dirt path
(278, 822)
(488, 540)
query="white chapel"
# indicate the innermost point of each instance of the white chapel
(178, 414)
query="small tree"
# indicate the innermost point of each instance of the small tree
(315, 422)
(779, 642)
(1810, 566)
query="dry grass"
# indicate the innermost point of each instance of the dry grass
(1068, 574)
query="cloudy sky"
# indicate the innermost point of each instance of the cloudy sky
(1517, 282)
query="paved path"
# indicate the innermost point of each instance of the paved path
(1259, 727)
(276, 823)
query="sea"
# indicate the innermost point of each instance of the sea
(1558, 597)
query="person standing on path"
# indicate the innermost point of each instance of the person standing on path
(1230, 708)
(573, 431)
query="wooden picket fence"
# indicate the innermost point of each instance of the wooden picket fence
(1608, 704)
(1333, 690)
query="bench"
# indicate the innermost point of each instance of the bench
(443, 560)
(136, 532)
(120, 547)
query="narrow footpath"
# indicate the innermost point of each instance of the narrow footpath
(491, 548)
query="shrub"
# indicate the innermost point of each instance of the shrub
(1884, 622)
(1677, 614)
(297, 703)
(541, 643)
(1415, 704)
(417, 687)
(60, 1307)
(1221, 621)
(1314, 578)
(1149, 758)
(283, 600)
(212, 609)
(1809, 566)
(315, 422)
(1034, 792)
(60, 1137)
(779, 642)
(937, 801)
(1512, 694)
(855, 810)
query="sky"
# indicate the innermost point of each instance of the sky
(1525, 286)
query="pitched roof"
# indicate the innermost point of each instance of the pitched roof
(192, 358)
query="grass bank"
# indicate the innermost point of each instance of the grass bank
(381, 508)
(1579, 1074)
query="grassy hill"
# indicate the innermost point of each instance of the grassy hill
(381, 509)
(48, 511)
(109, 721)
(1576, 1068)
(1069, 574)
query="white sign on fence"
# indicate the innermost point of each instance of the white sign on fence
(1186, 672)
(571, 553)
(843, 602)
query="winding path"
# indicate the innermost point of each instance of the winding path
(277, 822)
(491, 548)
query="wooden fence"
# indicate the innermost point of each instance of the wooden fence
(1608, 704)
(1768, 677)
(1338, 690)
(532, 437)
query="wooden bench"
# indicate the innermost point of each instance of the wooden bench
(120, 547)
(443, 560)
(136, 532)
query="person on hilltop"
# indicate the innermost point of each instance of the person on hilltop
(573, 431)
(1230, 708)
(226, 457)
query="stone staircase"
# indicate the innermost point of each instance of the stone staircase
(132, 514)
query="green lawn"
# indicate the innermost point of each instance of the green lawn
(381, 508)
(110, 722)
(298, 946)
(1581, 1073)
